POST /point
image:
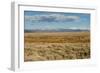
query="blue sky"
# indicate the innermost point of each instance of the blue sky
(55, 20)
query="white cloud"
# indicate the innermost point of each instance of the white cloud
(52, 18)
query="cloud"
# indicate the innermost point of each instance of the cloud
(52, 18)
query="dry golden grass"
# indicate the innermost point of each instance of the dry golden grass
(56, 46)
(58, 37)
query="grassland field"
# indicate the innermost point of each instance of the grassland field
(43, 46)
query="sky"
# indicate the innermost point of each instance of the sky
(55, 20)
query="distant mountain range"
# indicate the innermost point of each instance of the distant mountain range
(57, 30)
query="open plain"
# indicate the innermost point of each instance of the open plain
(43, 46)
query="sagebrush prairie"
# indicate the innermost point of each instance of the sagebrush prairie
(43, 46)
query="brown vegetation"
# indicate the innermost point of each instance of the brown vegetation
(56, 46)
